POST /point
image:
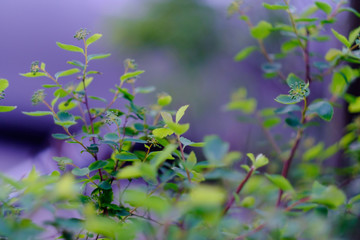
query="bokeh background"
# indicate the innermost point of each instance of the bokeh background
(186, 48)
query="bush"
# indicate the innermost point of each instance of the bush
(151, 185)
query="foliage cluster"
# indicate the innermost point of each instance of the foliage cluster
(151, 185)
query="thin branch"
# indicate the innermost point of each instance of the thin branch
(239, 188)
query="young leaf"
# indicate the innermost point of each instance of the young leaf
(70, 48)
(3, 84)
(162, 132)
(341, 38)
(98, 56)
(262, 30)
(348, 9)
(31, 75)
(354, 34)
(38, 113)
(180, 113)
(93, 38)
(244, 53)
(7, 108)
(323, 109)
(87, 82)
(275, 7)
(324, 6)
(130, 75)
(66, 72)
(329, 196)
(260, 161)
(280, 182)
(179, 129)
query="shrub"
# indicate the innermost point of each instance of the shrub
(151, 185)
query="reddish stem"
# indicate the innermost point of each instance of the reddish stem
(239, 188)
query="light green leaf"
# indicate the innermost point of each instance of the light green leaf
(38, 113)
(354, 34)
(98, 56)
(329, 196)
(180, 113)
(332, 54)
(179, 129)
(3, 84)
(66, 72)
(349, 9)
(324, 6)
(66, 106)
(31, 75)
(248, 202)
(243, 54)
(341, 38)
(215, 149)
(260, 161)
(191, 161)
(322, 108)
(166, 116)
(313, 152)
(70, 48)
(354, 199)
(130, 75)
(93, 38)
(165, 154)
(162, 132)
(262, 30)
(280, 182)
(275, 7)
(87, 82)
(7, 108)
(271, 122)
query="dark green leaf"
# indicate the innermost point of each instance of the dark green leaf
(322, 108)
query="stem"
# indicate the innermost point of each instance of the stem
(303, 200)
(239, 188)
(183, 157)
(262, 46)
(250, 233)
(294, 25)
(307, 61)
(288, 162)
(86, 102)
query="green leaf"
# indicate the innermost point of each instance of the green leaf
(31, 75)
(38, 113)
(290, 45)
(354, 34)
(180, 113)
(87, 82)
(98, 56)
(271, 122)
(262, 30)
(60, 136)
(130, 75)
(80, 171)
(66, 105)
(354, 199)
(215, 149)
(76, 63)
(65, 119)
(112, 137)
(332, 54)
(280, 182)
(3, 84)
(275, 7)
(247, 106)
(66, 72)
(313, 152)
(70, 48)
(191, 161)
(354, 107)
(93, 38)
(162, 132)
(98, 98)
(286, 99)
(50, 86)
(330, 196)
(243, 54)
(7, 108)
(341, 38)
(288, 109)
(178, 129)
(322, 108)
(248, 202)
(349, 9)
(165, 154)
(293, 81)
(324, 6)
(271, 67)
(260, 161)
(97, 165)
(105, 185)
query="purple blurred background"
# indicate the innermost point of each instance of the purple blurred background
(186, 48)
